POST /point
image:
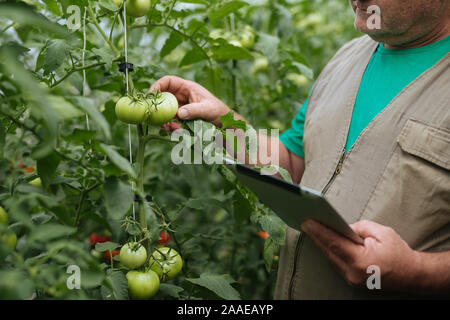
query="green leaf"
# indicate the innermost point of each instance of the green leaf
(109, 4)
(273, 226)
(228, 121)
(304, 69)
(219, 284)
(105, 54)
(91, 278)
(52, 6)
(46, 167)
(224, 8)
(193, 56)
(174, 40)
(270, 249)
(119, 197)
(202, 203)
(49, 231)
(285, 175)
(37, 100)
(87, 106)
(2, 139)
(115, 286)
(268, 45)
(63, 109)
(80, 136)
(55, 54)
(227, 51)
(205, 2)
(119, 161)
(241, 208)
(106, 246)
(10, 288)
(170, 290)
(25, 16)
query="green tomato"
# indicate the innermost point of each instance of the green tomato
(3, 216)
(131, 111)
(166, 262)
(137, 8)
(260, 65)
(247, 37)
(36, 182)
(234, 40)
(217, 33)
(142, 285)
(298, 79)
(96, 254)
(133, 259)
(162, 108)
(9, 238)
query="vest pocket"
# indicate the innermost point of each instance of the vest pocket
(412, 193)
(427, 142)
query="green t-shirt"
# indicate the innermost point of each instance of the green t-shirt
(388, 72)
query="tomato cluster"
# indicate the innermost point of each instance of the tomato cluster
(156, 109)
(164, 264)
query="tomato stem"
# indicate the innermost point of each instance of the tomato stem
(140, 182)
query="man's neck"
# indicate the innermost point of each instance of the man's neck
(438, 33)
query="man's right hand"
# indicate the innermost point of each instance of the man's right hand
(194, 100)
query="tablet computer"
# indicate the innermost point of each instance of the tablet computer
(294, 204)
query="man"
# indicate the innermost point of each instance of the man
(374, 137)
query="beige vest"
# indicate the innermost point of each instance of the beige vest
(397, 173)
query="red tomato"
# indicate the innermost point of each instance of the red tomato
(263, 234)
(95, 238)
(164, 237)
(114, 253)
(30, 169)
(21, 165)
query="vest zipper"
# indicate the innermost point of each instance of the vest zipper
(297, 250)
(336, 172)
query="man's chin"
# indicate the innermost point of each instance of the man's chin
(375, 34)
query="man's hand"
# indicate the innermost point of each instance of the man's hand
(194, 100)
(400, 266)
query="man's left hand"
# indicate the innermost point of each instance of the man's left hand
(398, 263)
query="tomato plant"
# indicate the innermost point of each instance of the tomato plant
(82, 151)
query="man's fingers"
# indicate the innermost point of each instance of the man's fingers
(331, 243)
(193, 111)
(175, 85)
(167, 83)
(369, 229)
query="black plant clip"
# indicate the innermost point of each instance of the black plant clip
(126, 65)
(148, 198)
